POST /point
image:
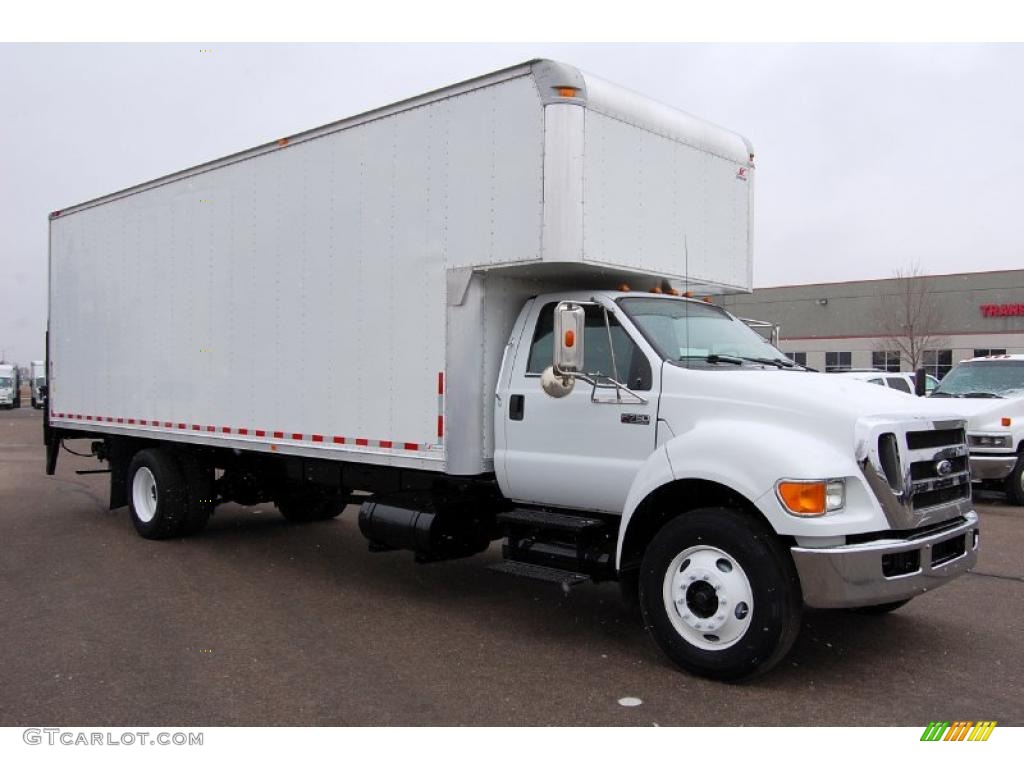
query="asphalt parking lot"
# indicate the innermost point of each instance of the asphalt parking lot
(257, 622)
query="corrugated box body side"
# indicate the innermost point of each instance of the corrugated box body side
(664, 192)
(298, 296)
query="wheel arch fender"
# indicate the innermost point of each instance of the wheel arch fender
(710, 466)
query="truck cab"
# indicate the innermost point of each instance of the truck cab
(732, 473)
(990, 391)
(37, 380)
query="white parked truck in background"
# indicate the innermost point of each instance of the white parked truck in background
(37, 380)
(488, 289)
(990, 391)
(8, 386)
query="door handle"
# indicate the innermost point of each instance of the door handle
(516, 406)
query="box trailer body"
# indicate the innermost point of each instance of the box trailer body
(404, 240)
(478, 313)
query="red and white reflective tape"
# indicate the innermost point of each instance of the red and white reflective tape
(440, 405)
(281, 435)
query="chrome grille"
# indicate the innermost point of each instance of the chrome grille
(919, 471)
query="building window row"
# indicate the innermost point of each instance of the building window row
(888, 361)
(987, 352)
(838, 361)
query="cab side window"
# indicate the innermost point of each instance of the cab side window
(633, 366)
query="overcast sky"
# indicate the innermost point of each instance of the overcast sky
(869, 157)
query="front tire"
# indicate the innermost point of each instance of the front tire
(1015, 483)
(719, 594)
(157, 494)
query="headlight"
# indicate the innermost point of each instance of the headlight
(990, 441)
(811, 498)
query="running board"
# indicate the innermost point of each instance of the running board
(540, 573)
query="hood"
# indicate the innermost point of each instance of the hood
(816, 404)
(985, 414)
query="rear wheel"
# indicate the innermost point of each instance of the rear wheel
(201, 494)
(719, 594)
(1015, 483)
(310, 506)
(157, 494)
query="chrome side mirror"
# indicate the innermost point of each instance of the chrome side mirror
(559, 379)
(570, 322)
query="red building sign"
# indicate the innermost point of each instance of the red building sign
(1002, 310)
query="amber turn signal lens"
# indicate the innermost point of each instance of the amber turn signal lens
(803, 498)
(567, 92)
(570, 338)
(1006, 421)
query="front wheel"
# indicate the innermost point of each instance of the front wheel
(719, 594)
(1015, 483)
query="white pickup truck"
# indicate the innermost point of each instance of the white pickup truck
(494, 294)
(990, 392)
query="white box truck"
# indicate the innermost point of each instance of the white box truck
(8, 386)
(37, 381)
(488, 291)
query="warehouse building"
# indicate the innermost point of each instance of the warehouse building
(861, 323)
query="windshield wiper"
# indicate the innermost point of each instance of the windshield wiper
(715, 359)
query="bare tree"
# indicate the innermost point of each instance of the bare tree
(909, 316)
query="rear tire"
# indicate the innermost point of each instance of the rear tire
(201, 494)
(1015, 483)
(157, 494)
(719, 594)
(310, 506)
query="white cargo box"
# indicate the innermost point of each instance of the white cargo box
(348, 291)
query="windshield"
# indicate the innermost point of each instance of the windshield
(694, 334)
(4, 381)
(984, 378)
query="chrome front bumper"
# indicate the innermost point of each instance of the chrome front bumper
(852, 575)
(992, 467)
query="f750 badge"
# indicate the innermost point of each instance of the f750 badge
(635, 418)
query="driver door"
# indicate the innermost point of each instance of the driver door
(572, 452)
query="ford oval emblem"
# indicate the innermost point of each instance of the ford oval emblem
(944, 467)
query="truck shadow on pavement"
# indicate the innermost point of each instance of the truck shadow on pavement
(332, 558)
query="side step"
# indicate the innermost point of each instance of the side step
(558, 543)
(542, 519)
(540, 573)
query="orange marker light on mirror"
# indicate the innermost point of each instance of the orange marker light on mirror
(570, 338)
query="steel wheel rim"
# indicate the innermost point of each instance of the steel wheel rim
(708, 598)
(144, 495)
